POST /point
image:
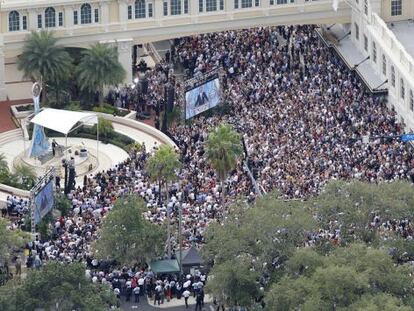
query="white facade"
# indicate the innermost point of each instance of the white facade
(388, 56)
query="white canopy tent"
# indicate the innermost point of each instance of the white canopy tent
(65, 121)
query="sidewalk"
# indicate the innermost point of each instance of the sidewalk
(178, 302)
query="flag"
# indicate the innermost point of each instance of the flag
(335, 5)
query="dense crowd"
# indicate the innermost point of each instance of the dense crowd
(302, 115)
(302, 112)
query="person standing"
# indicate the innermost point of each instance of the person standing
(199, 300)
(136, 291)
(186, 294)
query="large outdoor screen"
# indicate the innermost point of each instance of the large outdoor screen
(43, 202)
(202, 98)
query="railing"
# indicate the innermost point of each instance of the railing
(400, 54)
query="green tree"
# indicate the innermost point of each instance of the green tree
(10, 240)
(63, 287)
(125, 236)
(223, 148)
(234, 282)
(99, 67)
(347, 279)
(162, 166)
(25, 175)
(4, 169)
(43, 60)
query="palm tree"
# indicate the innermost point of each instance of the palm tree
(99, 67)
(223, 148)
(162, 167)
(43, 60)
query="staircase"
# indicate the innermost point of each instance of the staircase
(9, 136)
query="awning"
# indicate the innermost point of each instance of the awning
(63, 121)
(191, 257)
(165, 266)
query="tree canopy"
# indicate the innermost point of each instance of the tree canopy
(126, 237)
(43, 60)
(346, 249)
(99, 67)
(56, 284)
(223, 148)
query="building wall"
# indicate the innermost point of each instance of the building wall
(382, 40)
(407, 11)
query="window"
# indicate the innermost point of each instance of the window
(175, 7)
(165, 8)
(200, 5)
(393, 76)
(221, 5)
(374, 52)
(14, 21)
(365, 43)
(39, 21)
(402, 89)
(86, 14)
(236, 4)
(246, 4)
(139, 8)
(185, 6)
(60, 19)
(129, 12)
(50, 17)
(396, 7)
(96, 13)
(150, 10)
(356, 31)
(411, 100)
(384, 65)
(366, 7)
(75, 17)
(211, 5)
(257, 3)
(24, 24)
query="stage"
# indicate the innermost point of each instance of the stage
(109, 156)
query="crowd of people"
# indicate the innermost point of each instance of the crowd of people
(302, 115)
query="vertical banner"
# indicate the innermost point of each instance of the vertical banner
(39, 145)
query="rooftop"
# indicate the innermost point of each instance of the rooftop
(404, 30)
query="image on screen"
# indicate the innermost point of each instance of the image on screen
(202, 98)
(43, 202)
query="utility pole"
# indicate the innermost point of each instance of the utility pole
(180, 216)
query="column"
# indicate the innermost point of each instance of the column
(125, 57)
(68, 22)
(104, 13)
(229, 5)
(3, 94)
(32, 22)
(159, 10)
(123, 12)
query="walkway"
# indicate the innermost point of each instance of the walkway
(6, 122)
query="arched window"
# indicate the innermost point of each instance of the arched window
(402, 88)
(14, 21)
(384, 65)
(50, 17)
(411, 100)
(393, 76)
(139, 8)
(86, 14)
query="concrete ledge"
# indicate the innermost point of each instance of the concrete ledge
(14, 191)
(139, 126)
(20, 114)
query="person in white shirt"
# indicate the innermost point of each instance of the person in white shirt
(136, 292)
(186, 294)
